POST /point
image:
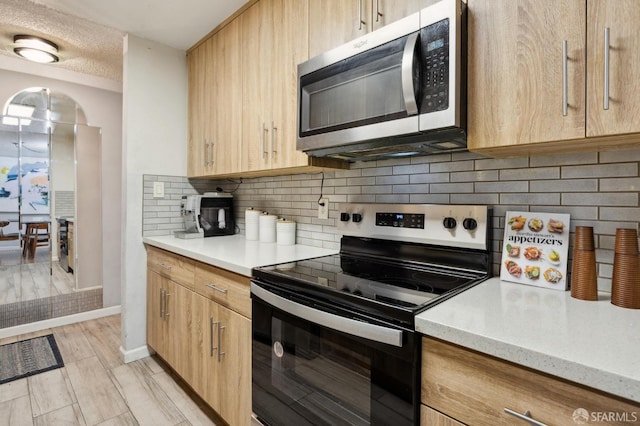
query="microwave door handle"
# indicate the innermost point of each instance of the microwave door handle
(365, 330)
(408, 89)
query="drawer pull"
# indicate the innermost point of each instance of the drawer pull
(165, 267)
(221, 290)
(525, 417)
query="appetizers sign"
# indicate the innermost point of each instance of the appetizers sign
(535, 249)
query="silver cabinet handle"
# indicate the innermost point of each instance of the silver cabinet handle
(211, 157)
(166, 303)
(378, 14)
(273, 136)
(565, 84)
(365, 330)
(212, 323)
(214, 287)
(408, 89)
(526, 417)
(264, 140)
(162, 303)
(220, 352)
(607, 39)
(206, 154)
(360, 21)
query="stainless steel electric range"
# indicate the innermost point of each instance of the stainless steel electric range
(334, 340)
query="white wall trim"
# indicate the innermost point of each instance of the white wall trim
(135, 354)
(57, 322)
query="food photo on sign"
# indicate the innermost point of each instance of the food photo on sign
(535, 249)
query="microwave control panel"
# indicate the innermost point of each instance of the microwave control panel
(435, 65)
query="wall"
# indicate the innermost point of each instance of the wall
(154, 142)
(596, 189)
(101, 101)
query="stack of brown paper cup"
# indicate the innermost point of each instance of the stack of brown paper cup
(584, 283)
(625, 285)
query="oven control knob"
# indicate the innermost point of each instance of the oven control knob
(470, 224)
(344, 217)
(449, 223)
(357, 217)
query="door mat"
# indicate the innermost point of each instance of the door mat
(29, 357)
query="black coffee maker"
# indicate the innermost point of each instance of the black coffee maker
(209, 214)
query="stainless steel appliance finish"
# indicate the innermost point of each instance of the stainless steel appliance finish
(398, 91)
(207, 215)
(333, 337)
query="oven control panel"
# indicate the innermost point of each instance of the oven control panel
(445, 225)
(400, 220)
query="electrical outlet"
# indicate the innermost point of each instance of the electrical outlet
(323, 210)
(158, 189)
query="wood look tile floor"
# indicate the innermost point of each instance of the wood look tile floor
(96, 388)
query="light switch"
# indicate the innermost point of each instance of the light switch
(158, 189)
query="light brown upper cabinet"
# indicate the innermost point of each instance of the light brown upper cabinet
(243, 94)
(274, 41)
(620, 75)
(214, 103)
(198, 110)
(335, 22)
(527, 64)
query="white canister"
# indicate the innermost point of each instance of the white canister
(252, 224)
(286, 232)
(268, 227)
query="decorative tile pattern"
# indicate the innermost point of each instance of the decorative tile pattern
(597, 189)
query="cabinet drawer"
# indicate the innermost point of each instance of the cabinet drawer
(227, 288)
(475, 389)
(175, 267)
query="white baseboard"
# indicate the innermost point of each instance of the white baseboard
(57, 322)
(134, 354)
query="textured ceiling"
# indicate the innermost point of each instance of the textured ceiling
(90, 32)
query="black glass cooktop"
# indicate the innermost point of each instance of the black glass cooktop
(386, 280)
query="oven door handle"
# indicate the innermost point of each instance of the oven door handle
(365, 330)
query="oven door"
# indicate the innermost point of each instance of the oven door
(310, 367)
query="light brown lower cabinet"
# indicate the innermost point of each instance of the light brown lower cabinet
(431, 417)
(475, 389)
(205, 336)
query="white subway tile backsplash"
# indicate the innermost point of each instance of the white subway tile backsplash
(602, 170)
(596, 189)
(564, 185)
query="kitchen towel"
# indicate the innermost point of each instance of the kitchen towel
(252, 224)
(285, 232)
(267, 227)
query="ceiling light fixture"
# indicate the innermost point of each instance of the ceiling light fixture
(35, 49)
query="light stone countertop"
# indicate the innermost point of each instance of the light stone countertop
(234, 253)
(596, 344)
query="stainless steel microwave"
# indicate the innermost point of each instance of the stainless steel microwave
(397, 91)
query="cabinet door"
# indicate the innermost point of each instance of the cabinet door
(621, 17)
(178, 323)
(200, 345)
(257, 44)
(159, 305)
(431, 417)
(291, 38)
(197, 72)
(234, 343)
(227, 100)
(515, 81)
(335, 22)
(385, 12)
(155, 321)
